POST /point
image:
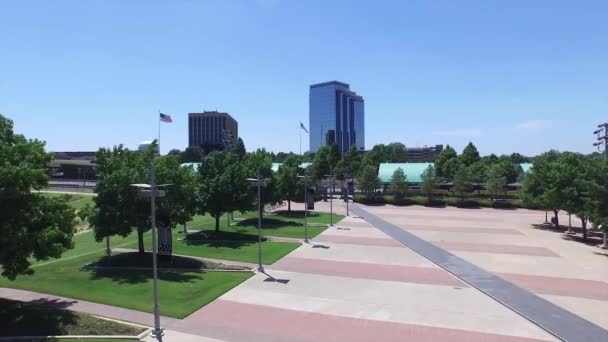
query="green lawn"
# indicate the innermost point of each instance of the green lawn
(226, 246)
(281, 224)
(76, 201)
(34, 319)
(180, 293)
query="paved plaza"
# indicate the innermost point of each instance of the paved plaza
(355, 282)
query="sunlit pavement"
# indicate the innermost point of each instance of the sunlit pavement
(355, 283)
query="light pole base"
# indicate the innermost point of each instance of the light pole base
(156, 333)
(602, 246)
(261, 269)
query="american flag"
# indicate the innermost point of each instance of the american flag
(165, 118)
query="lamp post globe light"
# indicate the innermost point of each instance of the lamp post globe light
(151, 190)
(305, 204)
(259, 182)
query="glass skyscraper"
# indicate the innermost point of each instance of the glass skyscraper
(336, 115)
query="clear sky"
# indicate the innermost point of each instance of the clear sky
(511, 76)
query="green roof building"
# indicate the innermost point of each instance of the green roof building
(413, 171)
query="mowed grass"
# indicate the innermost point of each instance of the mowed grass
(75, 201)
(180, 293)
(280, 223)
(43, 319)
(231, 247)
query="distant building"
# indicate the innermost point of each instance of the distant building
(422, 154)
(336, 115)
(144, 145)
(212, 129)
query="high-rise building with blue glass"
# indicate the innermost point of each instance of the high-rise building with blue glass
(336, 115)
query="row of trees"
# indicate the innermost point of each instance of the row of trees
(571, 182)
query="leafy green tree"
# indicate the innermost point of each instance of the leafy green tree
(477, 172)
(598, 194)
(490, 160)
(579, 194)
(175, 152)
(495, 180)
(222, 186)
(509, 170)
(462, 181)
(449, 169)
(428, 182)
(118, 206)
(368, 180)
(349, 164)
(469, 155)
(447, 154)
(396, 152)
(32, 225)
(239, 149)
(288, 185)
(262, 160)
(517, 158)
(193, 154)
(399, 183)
(325, 161)
(179, 205)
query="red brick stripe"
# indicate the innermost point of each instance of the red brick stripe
(358, 240)
(408, 274)
(472, 230)
(581, 288)
(306, 326)
(495, 248)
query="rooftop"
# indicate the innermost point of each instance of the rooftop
(330, 83)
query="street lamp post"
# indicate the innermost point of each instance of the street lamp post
(151, 190)
(331, 200)
(305, 204)
(259, 182)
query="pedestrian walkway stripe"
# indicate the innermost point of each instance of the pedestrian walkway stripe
(550, 317)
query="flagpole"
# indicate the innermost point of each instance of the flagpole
(300, 137)
(158, 118)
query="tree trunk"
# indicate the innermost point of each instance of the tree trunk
(546, 219)
(289, 205)
(556, 218)
(217, 224)
(584, 226)
(140, 241)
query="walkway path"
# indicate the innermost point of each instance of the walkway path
(552, 318)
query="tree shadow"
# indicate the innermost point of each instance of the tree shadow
(39, 317)
(594, 238)
(210, 238)
(295, 213)
(269, 223)
(133, 268)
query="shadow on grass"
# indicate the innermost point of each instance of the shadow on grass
(295, 213)
(235, 239)
(40, 317)
(123, 275)
(269, 223)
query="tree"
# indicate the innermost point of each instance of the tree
(239, 149)
(324, 161)
(222, 186)
(495, 180)
(477, 173)
(118, 206)
(179, 205)
(428, 182)
(462, 181)
(193, 154)
(396, 152)
(399, 183)
(32, 225)
(580, 201)
(598, 195)
(447, 154)
(469, 155)
(349, 164)
(368, 180)
(450, 167)
(175, 152)
(288, 186)
(262, 160)
(517, 158)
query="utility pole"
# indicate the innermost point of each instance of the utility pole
(602, 139)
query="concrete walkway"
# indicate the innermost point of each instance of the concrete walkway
(554, 319)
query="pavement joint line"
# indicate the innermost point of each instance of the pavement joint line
(74, 337)
(555, 320)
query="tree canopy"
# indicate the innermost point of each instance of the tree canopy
(398, 184)
(428, 182)
(469, 155)
(447, 154)
(33, 225)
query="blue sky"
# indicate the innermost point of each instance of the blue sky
(511, 76)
